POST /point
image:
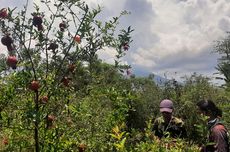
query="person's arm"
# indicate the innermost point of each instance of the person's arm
(156, 129)
(183, 132)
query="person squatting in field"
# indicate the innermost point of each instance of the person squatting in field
(218, 137)
(167, 124)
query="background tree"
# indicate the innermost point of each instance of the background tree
(223, 49)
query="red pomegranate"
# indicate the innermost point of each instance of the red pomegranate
(34, 85)
(12, 61)
(8, 42)
(62, 26)
(37, 21)
(3, 13)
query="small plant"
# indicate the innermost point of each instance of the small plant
(120, 138)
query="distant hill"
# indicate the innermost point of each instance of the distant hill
(157, 79)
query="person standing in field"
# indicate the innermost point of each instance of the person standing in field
(167, 124)
(218, 137)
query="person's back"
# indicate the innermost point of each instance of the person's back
(218, 134)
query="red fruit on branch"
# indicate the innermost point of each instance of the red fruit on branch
(34, 85)
(12, 61)
(126, 47)
(50, 118)
(71, 67)
(37, 21)
(44, 99)
(62, 26)
(77, 38)
(65, 81)
(49, 121)
(53, 46)
(8, 42)
(3, 13)
(81, 147)
(5, 141)
(128, 72)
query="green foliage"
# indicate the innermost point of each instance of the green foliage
(148, 96)
(52, 47)
(223, 49)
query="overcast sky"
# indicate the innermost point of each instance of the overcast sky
(172, 37)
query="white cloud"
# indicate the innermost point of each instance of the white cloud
(183, 27)
(107, 55)
(140, 58)
(112, 5)
(170, 35)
